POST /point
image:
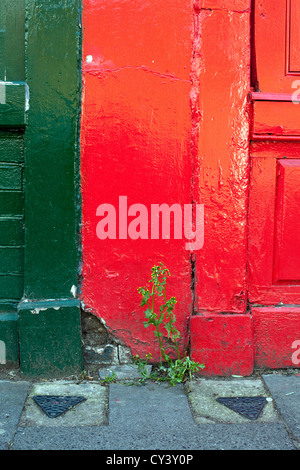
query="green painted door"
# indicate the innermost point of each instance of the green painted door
(12, 123)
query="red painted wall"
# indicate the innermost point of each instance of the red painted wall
(136, 142)
(144, 66)
(167, 118)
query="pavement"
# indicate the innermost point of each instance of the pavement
(120, 412)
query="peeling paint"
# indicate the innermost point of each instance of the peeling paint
(2, 92)
(73, 291)
(2, 353)
(36, 311)
(27, 98)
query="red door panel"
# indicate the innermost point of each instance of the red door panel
(293, 36)
(261, 225)
(277, 40)
(287, 243)
(274, 222)
(276, 118)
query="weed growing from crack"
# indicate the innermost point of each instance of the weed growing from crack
(174, 370)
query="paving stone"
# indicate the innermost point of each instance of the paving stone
(91, 412)
(252, 436)
(203, 395)
(286, 393)
(140, 417)
(151, 406)
(12, 399)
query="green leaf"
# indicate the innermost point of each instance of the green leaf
(148, 313)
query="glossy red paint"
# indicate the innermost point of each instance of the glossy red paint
(222, 172)
(274, 243)
(287, 222)
(274, 250)
(143, 67)
(276, 118)
(276, 41)
(229, 5)
(169, 116)
(135, 141)
(273, 219)
(275, 331)
(293, 36)
(261, 96)
(223, 343)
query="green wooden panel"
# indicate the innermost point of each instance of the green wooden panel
(11, 286)
(11, 260)
(10, 176)
(50, 342)
(2, 38)
(12, 40)
(13, 96)
(13, 99)
(11, 232)
(9, 334)
(11, 203)
(11, 147)
(51, 146)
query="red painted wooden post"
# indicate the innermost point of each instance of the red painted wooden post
(223, 155)
(223, 342)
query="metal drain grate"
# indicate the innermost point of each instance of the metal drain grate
(249, 407)
(54, 405)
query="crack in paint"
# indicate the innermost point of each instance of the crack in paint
(197, 66)
(100, 73)
(228, 10)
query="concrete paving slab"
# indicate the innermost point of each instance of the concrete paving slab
(286, 393)
(12, 399)
(150, 406)
(250, 436)
(92, 412)
(146, 417)
(203, 394)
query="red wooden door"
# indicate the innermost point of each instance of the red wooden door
(274, 212)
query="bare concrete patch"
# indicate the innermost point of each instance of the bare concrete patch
(203, 394)
(123, 372)
(100, 347)
(92, 412)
